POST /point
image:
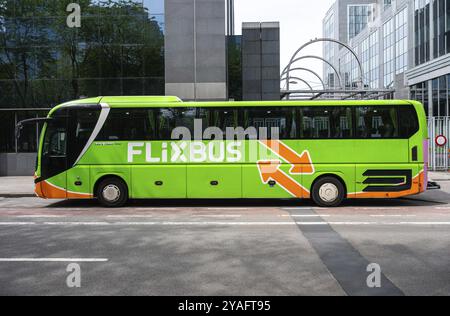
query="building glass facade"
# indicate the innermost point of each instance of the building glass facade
(432, 41)
(328, 48)
(358, 17)
(440, 28)
(374, 60)
(421, 31)
(389, 52)
(401, 41)
(46, 59)
(387, 4)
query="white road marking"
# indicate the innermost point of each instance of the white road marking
(393, 215)
(227, 208)
(130, 216)
(76, 223)
(425, 223)
(54, 260)
(16, 223)
(225, 223)
(305, 215)
(155, 209)
(304, 208)
(378, 208)
(218, 215)
(40, 216)
(442, 208)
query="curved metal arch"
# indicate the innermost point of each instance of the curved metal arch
(304, 81)
(319, 58)
(326, 40)
(303, 69)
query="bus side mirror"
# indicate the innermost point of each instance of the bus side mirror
(18, 131)
(20, 125)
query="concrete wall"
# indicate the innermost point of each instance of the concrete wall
(195, 49)
(261, 61)
(22, 164)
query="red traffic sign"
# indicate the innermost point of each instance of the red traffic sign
(441, 140)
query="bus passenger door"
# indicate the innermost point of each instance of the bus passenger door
(54, 159)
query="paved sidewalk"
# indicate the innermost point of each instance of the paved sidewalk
(16, 186)
(439, 176)
(24, 186)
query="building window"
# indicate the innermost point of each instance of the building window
(419, 92)
(328, 47)
(387, 4)
(439, 103)
(421, 31)
(365, 59)
(401, 41)
(439, 27)
(358, 17)
(389, 52)
(374, 60)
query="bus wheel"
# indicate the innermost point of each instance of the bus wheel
(112, 192)
(328, 192)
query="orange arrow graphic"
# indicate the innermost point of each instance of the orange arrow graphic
(300, 163)
(271, 170)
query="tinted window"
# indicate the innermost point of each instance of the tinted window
(314, 122)
(55, 142)
(326, 122)
(128, 124)
(377, 122)
(82, 123)
(409, 124)
(285, 120)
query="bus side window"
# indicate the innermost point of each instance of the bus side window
(126, 125)
(164, 123)
(316, 122)
(408, 122)
(377, 122)
(268, 121)
(220, 118)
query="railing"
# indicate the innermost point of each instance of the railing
(439, 158)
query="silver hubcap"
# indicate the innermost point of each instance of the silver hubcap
(328, 192)
(111, 193)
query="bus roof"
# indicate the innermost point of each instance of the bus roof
(172, 101)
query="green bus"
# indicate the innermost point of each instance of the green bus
(118, 148)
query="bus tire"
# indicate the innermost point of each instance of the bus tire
(112, 192)
(328, 192)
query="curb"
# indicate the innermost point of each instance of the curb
(16, 195)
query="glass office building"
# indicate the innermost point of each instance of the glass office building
(430, 79)
(47, 58)
(407, 48)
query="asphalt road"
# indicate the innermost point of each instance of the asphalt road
(226, 247)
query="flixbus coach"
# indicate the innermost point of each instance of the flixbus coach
(120, 148)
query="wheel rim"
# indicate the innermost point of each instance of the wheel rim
(111, 193)
(328, 192)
